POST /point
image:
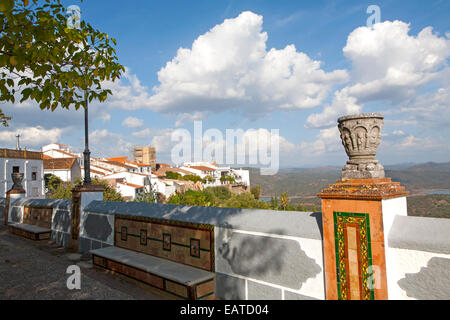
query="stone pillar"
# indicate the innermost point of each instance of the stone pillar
(16, 192)
(81, 197)
(357, 212)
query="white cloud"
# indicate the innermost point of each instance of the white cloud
(229, 68)
(191, 117)
(132, 122)
(31, 137)
(388, 65)
(328, 140)
(104, 143)
(398, 133)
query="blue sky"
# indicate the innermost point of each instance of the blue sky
(392, 79)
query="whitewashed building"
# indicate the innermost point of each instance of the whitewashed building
(67, 169)
(30, 163)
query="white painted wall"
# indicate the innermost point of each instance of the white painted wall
(33, 188)
(390, 208)
(405, 261)
(314, 287)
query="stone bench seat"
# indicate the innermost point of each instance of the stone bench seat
(30, 231)
(175, 278)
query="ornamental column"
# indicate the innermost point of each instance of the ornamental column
(357, 213)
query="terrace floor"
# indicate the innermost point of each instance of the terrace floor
(32, 270)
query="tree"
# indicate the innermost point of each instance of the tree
(274, 203)
(300, 207)
(256, 191)
(149, 196)
(48, 61)
(64, 191)
(284, 200)
(109, 193)
(208, 179)
(52, 182)
(192, 177)
(173, 175)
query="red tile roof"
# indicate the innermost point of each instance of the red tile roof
(136, 186)
(59, 163)
(161, 172)
(202, 168)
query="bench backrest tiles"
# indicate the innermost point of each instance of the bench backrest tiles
(187, 243)
(176, 257)
(38, 216)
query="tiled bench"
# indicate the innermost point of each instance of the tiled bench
(30, 231)
(178, 279)
(36, 224)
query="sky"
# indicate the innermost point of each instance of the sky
(286, 69)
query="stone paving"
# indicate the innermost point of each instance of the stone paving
(37, 270)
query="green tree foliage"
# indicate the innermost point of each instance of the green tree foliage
(228, 178)
(284, 200)
(109, 193)
(52, 182)
(64, 191)
(149, 196)
(274, 204)
(173, 175)
(300, 207)
(208, 179)
(217, 197)
(192, 198)
(192, 177)
(46, 60)
(256, 191)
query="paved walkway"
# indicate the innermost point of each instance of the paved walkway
(37, 270)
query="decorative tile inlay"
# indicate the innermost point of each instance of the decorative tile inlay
(143, 235)
(167, 241)
(195, 248)
(123, 234)
(351, 258)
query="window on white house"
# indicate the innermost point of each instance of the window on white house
(33, 173)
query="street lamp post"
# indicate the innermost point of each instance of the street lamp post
(86, 153)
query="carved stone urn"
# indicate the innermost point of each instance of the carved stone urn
(361, 135)
(17, 179)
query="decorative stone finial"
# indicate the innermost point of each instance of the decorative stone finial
(17, 179)
(361, 135)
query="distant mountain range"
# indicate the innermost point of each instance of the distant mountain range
(309, 181)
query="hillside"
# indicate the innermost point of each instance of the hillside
(302, 185)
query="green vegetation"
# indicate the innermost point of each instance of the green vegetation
(223, 197)
(47, 61)
(430, 205)
(256, 191)
(173, 175)
(188, 177)
(52, 182)
(64, 190)
(230, 179)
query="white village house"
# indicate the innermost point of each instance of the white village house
(30, 163)
(67, 169)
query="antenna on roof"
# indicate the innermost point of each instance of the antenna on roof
(17, 142)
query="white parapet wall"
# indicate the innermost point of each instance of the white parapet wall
(259, 254)
(418, 252)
